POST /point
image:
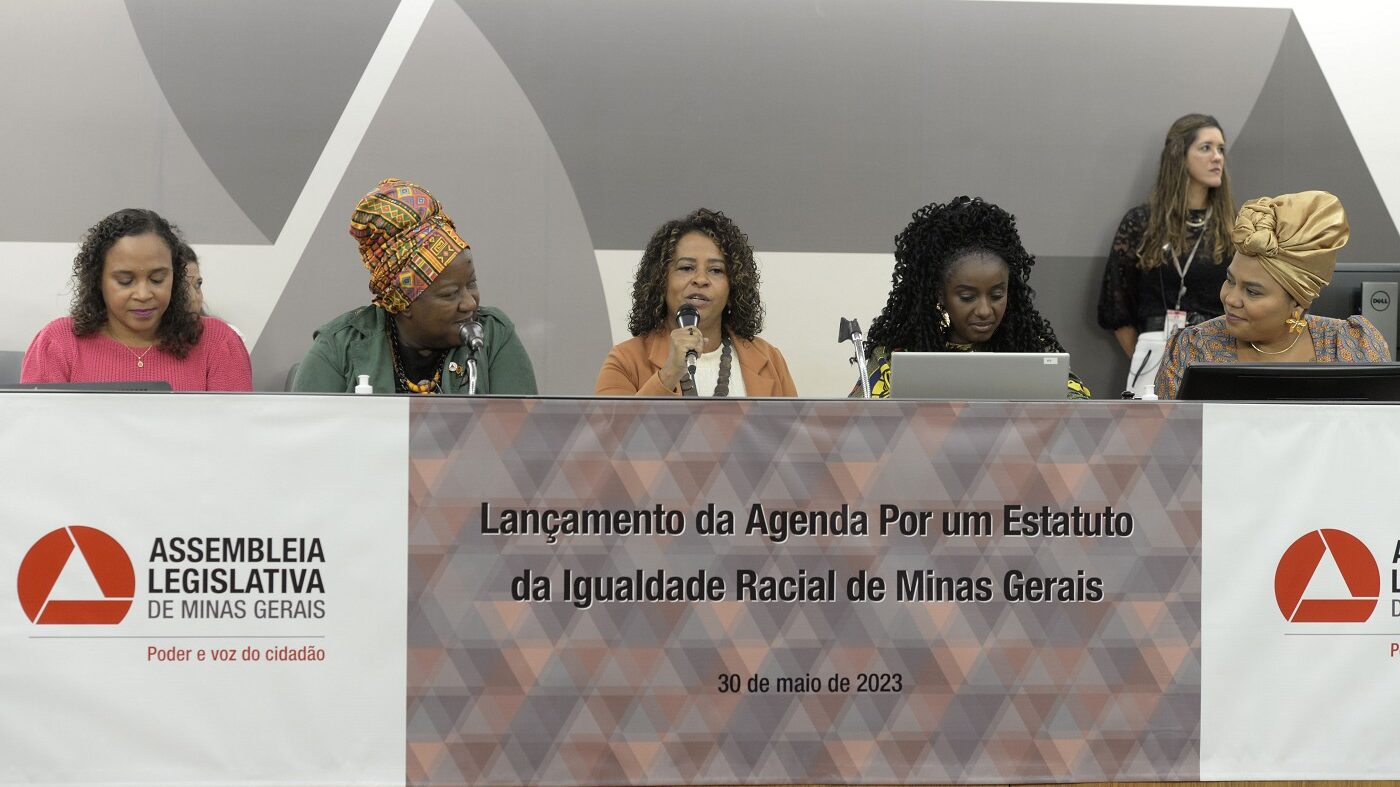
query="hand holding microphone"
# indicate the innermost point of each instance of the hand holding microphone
(687, 342)
(688, 317)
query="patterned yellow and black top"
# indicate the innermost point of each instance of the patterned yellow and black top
(877, 366)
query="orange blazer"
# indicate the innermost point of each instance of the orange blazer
(631, 368)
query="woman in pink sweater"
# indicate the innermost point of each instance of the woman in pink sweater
(130, 319)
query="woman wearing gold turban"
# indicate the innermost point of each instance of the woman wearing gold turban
(409, 340)
(1285, 252)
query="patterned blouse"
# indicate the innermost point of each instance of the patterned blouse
(1353, 340)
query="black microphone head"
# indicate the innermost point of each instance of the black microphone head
(844, 334)
(687, 316)
(472, 335)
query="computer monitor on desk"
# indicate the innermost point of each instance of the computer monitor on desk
(971, 376)
(1292, 382)
(1371, 290)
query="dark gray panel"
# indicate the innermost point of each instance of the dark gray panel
(827, 123)
(455, 121)
(258, 85)
(1066, 290)
(81, 112)
(1296, 139)
(10, 363)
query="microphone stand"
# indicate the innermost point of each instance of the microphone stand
(850, 331)
(474, 339)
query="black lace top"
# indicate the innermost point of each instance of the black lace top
(1133, 296)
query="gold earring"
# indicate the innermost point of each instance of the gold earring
(1296, 324)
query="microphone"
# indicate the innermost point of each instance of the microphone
(688, 317)
(472, 336)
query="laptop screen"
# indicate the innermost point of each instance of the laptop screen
(974, 376)
(122, 385)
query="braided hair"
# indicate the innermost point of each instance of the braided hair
(938, 236)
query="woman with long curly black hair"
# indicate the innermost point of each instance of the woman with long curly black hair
(130, 319)
(961, 284)
(700, 262)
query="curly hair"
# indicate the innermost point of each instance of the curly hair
(179, 329)
(1166, 209)
(913, 319)
(743, 314)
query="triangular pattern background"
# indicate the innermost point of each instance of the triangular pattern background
(627, 693)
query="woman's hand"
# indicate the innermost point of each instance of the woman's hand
(682, 339)
(1127, 337)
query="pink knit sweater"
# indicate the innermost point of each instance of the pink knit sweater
(219, 362)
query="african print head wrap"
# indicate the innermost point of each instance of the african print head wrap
(1296, 237)
(406, 241)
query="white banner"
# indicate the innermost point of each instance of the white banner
(241, 563)
(1300, 634)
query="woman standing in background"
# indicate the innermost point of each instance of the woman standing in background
(1167, 262)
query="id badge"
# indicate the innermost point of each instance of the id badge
(1174, 321)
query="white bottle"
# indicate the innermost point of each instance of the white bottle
(364, 387)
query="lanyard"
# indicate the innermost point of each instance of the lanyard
(1182, 269)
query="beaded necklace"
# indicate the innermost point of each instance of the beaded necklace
(401, 382)
(722, 384)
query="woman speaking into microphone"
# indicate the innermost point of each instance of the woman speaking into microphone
(700, 262)
(414, 337)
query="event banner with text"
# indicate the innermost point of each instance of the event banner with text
(201, 589)
(1301, 589)
(631, 591)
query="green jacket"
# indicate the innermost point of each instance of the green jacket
(356, 343)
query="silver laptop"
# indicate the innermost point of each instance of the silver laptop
(995, 376)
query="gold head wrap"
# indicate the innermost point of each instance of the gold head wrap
(1295, 237)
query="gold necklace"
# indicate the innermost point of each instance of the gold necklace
(1277, 352)
(139, 362)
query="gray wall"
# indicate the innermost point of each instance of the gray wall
(551, 129)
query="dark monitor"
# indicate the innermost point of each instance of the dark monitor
(121, 385)
(1342, 296)
(1292, 382)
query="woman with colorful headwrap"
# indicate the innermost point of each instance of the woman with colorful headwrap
(1285, 251)
(409, 339)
